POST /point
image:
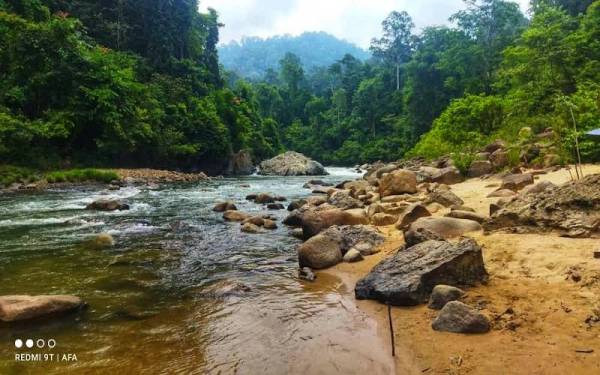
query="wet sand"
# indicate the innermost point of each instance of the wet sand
(542, 319)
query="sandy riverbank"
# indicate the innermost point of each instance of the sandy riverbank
(542, 317)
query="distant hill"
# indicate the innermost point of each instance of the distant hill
(252, 56)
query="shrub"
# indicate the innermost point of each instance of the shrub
(81, 175)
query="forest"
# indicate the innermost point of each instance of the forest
(139, 83)
(447, 90)
(254, 57)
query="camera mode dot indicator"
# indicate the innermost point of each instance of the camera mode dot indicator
(18, 343)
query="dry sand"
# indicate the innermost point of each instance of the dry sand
(543, 299)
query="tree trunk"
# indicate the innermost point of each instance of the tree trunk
(397, 77)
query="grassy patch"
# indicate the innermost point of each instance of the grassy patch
(10, 174)
(82, 175)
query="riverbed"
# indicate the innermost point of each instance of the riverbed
(182, 291)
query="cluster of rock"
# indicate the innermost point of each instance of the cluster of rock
(252, 223)
(536, 152)
(155, 176)
(340, 223)
(387, 195)
(291, 164)
(573, 208)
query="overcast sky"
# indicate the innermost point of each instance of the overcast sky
(354, 20)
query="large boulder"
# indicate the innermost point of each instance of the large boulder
(398, 182)
(291, 164)
(480, 168)
(411, 214)
(342, 199)
(382, 219)
(469, 215)
(408, 277)
(516, 182)
(447, 227)
(574, 206)
(313, 222)
(448, 176)
(495, 146)
(328, 248)
(296, 204)
(444, 197)
(20, 307)
(240, 164)
(416, 236)
(107, 205)
(499, 158)
(457, 317)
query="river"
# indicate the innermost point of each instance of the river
(152, 307)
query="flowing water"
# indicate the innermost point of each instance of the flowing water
(156, 301)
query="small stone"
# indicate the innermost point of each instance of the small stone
(366, 249)
(102, 241)
(298, 233)
(442, 294)
(224, 206)
(305, 273)
(235, 216)
(352, 256)
(269, 224)
(458, 317)
(275, 206)
(250, 228)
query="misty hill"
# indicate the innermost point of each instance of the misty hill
(253, 56)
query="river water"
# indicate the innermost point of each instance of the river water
(154, 300)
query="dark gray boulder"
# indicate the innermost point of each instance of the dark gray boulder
(460, 318)
(418, 235)
(407, 278)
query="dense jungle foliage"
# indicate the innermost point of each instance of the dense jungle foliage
(447, 89)
(119, 82)
(138, 83)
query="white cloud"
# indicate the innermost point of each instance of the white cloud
(355, 20)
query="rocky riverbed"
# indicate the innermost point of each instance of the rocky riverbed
(218, 264)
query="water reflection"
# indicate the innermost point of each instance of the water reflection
(181, 292)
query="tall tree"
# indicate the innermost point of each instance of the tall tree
(493, 25)
(395, 47)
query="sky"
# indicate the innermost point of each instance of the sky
(356, 21)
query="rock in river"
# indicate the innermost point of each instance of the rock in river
(291, 164)
(460, 318)
(235, 216)
(313, 222)
(407, 278)
(107, 205)
(328, 248)
(225, 206)
(18, 308)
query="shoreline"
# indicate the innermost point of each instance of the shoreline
(125, 177)
(542, 320)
